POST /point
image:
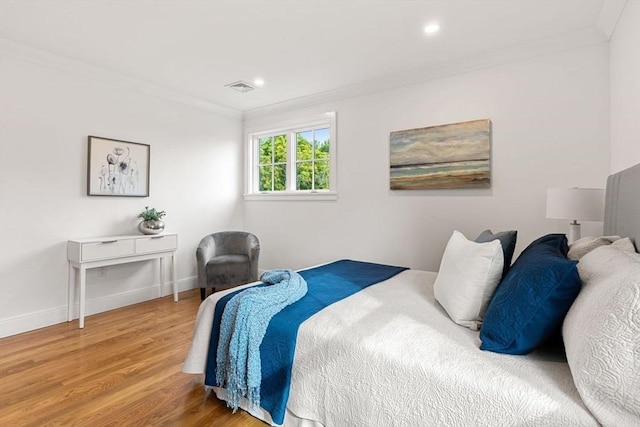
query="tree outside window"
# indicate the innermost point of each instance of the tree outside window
(272, 166)
(293, 161)
(312, 159)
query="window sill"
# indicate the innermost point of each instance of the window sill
(293, 196)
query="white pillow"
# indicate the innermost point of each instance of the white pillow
(469, 273)
(624, 245)
(583, 246)
(601, 333)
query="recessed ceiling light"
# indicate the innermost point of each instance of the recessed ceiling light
(258, 82)
(432, 28)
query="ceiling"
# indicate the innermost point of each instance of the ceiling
(302, 49)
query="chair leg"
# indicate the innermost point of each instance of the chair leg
(202, 293)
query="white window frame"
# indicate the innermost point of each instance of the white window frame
(290, 128)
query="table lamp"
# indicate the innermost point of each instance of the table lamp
(584, 204)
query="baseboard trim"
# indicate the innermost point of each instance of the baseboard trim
(30, 321)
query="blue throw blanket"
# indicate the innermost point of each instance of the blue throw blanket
(244, 323)
(326, 285)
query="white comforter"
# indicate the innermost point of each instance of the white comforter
(390, 356)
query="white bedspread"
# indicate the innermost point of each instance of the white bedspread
(390, 356)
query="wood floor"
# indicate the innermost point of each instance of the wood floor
(122, 369)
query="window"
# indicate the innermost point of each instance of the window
(293, 161)
(272, 166)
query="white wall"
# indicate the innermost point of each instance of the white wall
(551, 127)
(550, 119)
(625, 89)
(47, 114)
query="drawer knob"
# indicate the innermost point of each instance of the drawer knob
(108, 241)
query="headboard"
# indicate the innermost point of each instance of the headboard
(622, 205)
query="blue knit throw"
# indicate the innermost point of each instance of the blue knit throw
(244, 322)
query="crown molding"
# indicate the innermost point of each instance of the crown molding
(609, 16)
(583, 38)
(586, 37)
(12, 49)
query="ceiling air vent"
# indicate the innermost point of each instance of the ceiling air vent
(241, 86)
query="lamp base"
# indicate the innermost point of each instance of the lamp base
(574, 232)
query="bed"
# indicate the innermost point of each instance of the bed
(393, 355)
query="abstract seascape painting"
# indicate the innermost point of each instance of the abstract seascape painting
(448, 156)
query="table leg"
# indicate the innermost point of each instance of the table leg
(161, 277)
(71, 297)
(174, 264)
(83, 285)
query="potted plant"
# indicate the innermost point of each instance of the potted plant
(151, 221)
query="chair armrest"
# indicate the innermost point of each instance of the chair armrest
(205, 251)
(254, 254)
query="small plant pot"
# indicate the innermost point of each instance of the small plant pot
(151, 227)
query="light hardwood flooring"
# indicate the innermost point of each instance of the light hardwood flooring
(122, 369)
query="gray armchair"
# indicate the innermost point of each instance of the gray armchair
(227, 259)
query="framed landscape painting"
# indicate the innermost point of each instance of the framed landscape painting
(456, 155)
(117, 168)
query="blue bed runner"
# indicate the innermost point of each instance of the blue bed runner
(326, 284)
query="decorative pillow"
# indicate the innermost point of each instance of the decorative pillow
(602, 336)
(507, 240)
(583, 246)
(533, 298)
(625, 245)
(469, 273)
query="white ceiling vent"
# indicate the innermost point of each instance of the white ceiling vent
(241, 86)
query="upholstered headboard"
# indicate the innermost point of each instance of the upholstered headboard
(622, 205)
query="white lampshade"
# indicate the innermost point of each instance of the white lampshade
(585, 204)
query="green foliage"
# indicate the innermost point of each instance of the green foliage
(321, 175)
(273, 163)
(151, 214)
(312, 166)
(304, 175)
(312, 163)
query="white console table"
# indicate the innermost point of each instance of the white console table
(103, 251)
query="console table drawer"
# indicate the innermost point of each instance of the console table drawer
(151, 244)
(106, 249)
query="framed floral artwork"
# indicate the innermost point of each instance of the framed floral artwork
(117, 168)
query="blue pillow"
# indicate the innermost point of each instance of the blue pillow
(533, 298)
(508, 242)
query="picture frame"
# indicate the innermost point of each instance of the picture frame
(450, 156)
(117, 168)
